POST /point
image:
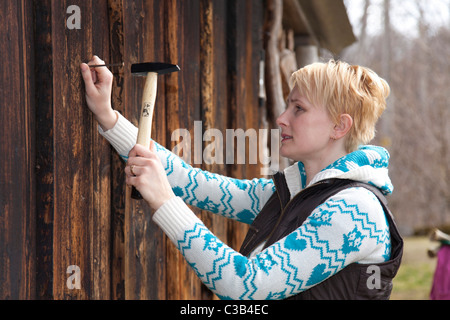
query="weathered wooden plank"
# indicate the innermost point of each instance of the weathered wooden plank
(244, 45)
(144, 252)
(17, 223)
(100, 219)
(44, 148)
(213, 93)
(275, 103)
(155, 51)
(273, 31)
(171, 16)
(249, 52)
(81, 217)
(131, 24)
(28, 243)
(71, 157)
(182, 101)
(117, 176)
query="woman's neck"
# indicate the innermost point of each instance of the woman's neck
(315, 165)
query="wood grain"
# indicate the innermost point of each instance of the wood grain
(17, 152)
(62, 190)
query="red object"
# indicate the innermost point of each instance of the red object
(441, 282)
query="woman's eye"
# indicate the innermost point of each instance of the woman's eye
(298, 108)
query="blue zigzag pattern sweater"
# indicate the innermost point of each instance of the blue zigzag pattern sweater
(349, 227)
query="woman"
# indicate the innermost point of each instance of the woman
(331, 114)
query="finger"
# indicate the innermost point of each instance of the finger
(103, 74)
(152, 146)
(128, 170)
(92, 61)
(94, 75)
(132, 153)
(131, 180)
(132, 170)
(140, 161)
(141, 156)
(87, 77)
(141, 151)
(96, 60)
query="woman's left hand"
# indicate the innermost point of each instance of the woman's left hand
(146, 173)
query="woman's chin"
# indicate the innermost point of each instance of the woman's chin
(284, 152)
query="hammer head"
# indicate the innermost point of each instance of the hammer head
(141, 69)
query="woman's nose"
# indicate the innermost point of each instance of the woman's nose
(281, 121)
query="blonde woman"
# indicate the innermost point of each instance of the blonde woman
(320, 229)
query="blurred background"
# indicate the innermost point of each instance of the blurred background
(407, 42)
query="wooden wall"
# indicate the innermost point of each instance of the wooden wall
(62, 193)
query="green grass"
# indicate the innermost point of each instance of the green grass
(415, 276)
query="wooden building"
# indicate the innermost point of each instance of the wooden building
(63, 212)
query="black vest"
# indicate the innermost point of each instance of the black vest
(281, 216)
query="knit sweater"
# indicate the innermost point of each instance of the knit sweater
(349, 227)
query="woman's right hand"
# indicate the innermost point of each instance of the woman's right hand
(98, 83)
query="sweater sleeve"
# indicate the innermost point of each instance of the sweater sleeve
(122, 136)
(236, 199)
(349, 227)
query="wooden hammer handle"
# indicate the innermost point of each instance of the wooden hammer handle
(146, 118)
(148, 105)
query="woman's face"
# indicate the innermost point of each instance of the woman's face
(306, 130)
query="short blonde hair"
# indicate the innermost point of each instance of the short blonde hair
(345, 89)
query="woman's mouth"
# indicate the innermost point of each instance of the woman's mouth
(285, 137)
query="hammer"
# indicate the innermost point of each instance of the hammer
(150, 70)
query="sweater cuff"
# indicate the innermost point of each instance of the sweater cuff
(122, 136)
(174, 217)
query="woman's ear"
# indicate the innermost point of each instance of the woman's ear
(343, 127)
